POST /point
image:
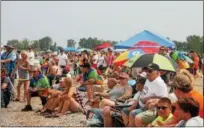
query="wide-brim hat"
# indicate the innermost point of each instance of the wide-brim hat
(9, 46)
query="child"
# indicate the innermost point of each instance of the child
(164, 109)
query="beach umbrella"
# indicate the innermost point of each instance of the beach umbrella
(70, 49)
(131, 61)
(125, 56)
(163, 62)
(179, 55)
(82, 49)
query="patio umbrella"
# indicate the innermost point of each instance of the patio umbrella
(163, 62)
(125, 56)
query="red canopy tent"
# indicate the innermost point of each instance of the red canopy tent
(104, 45)
(147, 46)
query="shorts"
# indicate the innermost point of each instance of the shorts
(97, 88)
(147, 116)
(127, 112)
(137, 111)
(36, 94)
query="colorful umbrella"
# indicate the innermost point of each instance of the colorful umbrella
(131, 61)
(179, 55)
(125, 56)
(163, 62)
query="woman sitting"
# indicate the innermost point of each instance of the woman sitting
(67, 102)
(54, 100)
(119, 92)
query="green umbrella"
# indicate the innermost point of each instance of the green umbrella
(163, 62)
(131, 61)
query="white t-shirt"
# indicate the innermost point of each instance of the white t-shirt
(155, 88)
(136, 97)
(95, 59)
(101, 61)
(62, 59)
(31, 57)
(195, 121)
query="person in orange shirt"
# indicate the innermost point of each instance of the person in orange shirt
(183, 88)
(196, 63)
(195, 66)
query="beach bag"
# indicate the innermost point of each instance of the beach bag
(117, 119)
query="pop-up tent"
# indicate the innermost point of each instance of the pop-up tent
(145, 36)
(104, 45)
(147, 46)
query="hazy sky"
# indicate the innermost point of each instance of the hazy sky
(115, 20)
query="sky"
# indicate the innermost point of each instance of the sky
(108, 20)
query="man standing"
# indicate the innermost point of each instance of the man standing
(31, 57)
(39, 86)
(95, 60)
(62, 60)
(8, 58)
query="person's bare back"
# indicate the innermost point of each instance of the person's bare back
(55, 70)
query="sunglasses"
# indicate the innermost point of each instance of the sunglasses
(161, 107)
(35, 71)
(149, 70)
(122, 78)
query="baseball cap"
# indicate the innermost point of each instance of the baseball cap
(153, 66)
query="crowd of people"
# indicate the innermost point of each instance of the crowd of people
(90, 82)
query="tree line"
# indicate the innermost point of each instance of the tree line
(193, 42)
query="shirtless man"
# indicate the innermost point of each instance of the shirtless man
(54, 72)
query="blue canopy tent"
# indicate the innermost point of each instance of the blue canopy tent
(70, 49)
(145, 36)
(82, 49)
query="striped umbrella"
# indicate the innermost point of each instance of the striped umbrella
(131, 61)
(163, 62)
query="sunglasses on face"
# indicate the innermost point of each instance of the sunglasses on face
(149, 70)
(122, 78)
(161, 107)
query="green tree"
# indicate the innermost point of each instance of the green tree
(195, 43)
(54, 47)
(25, 44)
(71, 43)
(90, 43)
(15, 43)
(45, 43)
(181, 46)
